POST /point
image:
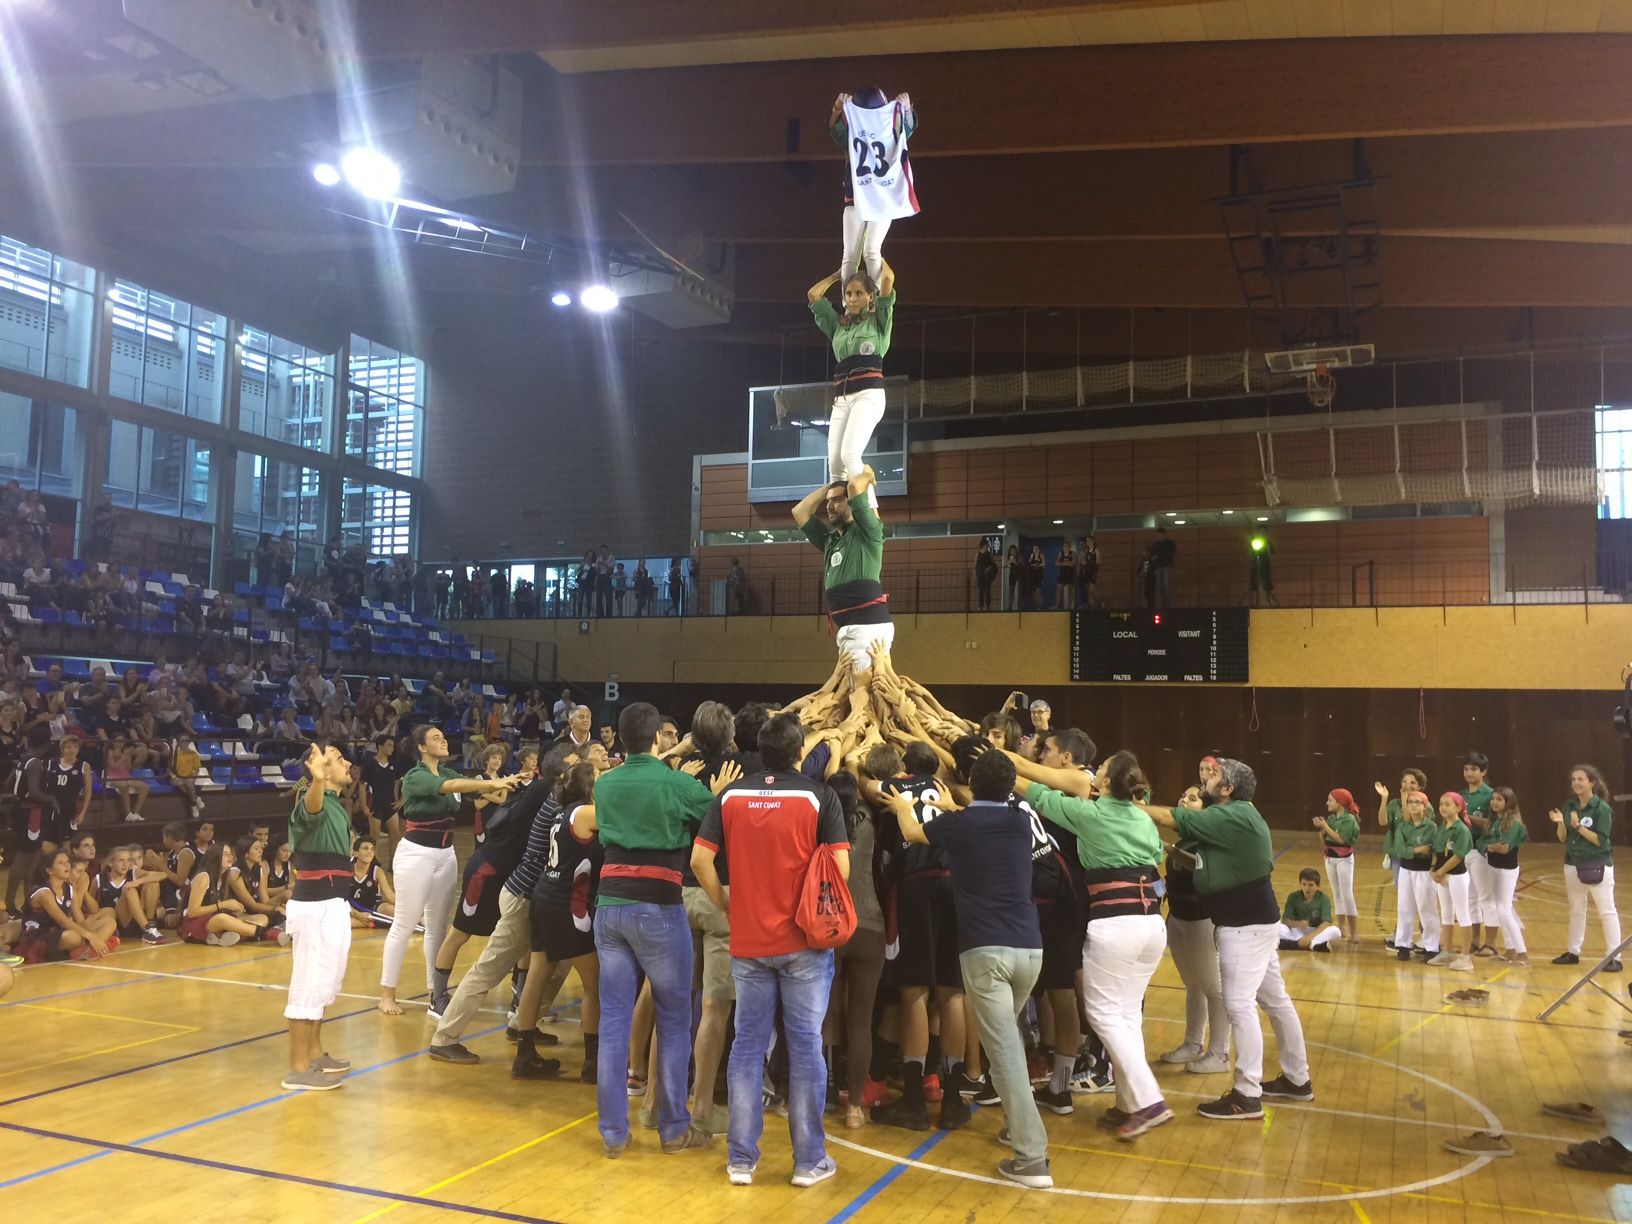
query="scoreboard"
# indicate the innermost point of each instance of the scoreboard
(1169, 645)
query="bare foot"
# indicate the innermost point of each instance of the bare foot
(390, 1007)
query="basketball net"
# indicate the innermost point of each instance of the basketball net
(1321, 386)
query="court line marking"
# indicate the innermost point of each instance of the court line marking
(63, 994)
(878, 1187)
(59, 1062)
(108, 1147)
(1238, 1170)
(1493, 1124)
(1360, 1212)
(69, 1011)
(1427, 1020)
(217, 1117)
(477, 1168)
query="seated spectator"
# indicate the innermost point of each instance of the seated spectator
(132, 792)
(382, 720)
(282, 666)
(360, 637)
(52, 683)
(286, 731)
(132, 688)
(372, 896)
(190, 613)
(161, 669)
(37, 586)
(218, 624)
(211, 915)
(169, 710)
(246, 882)
(184, 769)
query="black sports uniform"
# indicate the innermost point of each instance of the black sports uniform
(1059, 908)
(365, 893)
(490, 866)
(65, 784)
(563, 901)
(926, 918)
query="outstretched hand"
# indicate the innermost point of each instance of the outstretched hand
(730, 772)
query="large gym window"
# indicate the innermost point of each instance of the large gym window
(166, 353)
(1614, 462)
(286, 390)
(47, 306)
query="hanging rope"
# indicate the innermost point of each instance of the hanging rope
(1422, 714)
(1253, 721)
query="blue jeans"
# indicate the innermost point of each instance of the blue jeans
(655, 939)
(801, 980)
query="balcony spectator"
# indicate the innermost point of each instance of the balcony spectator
(525, 600)
(498, 589)
(603, 582)
(620, 588)
(1065, 577)
(104, 521)
(645, 590)
(1036, 568)
(1015, 576)
(694, 573)
(442, 590)
(420, 584)
(676, 587)
(1087, 572)
(736, 588)
(33, 519)
(1163, 553)
(985, 573)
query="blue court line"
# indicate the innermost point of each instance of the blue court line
(219, 1117)
(297, 1179)
(873, 1191)
(1277, 855)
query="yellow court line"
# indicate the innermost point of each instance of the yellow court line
(486, 1164)
(1237, 1170)
(1427, 1020)
(1506, 1207)
(129, 1045)
(1360, 1212)
(68, 1011)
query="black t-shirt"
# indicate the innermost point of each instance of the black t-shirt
(381, 781)
(1162, 554)
(112, 725)
(989, 848)
(926, 793)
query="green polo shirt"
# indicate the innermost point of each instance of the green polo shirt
(1478, 801)
(1578, 849)
(868, 336)
(1453, 839)
(643, 805)
(326, 832)
(1511, 834)
(1110, 832)
(1409, 836)
(1347, 828)
(853, 553)
(422, 797)
(1234, 842)
(1314, 913)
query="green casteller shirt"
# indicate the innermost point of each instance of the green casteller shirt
(1578, 849)
(1111, 832)
(868, 336)
(326, 832)
(1347, 828)
(1453, 839)
(1314, 913)
(1409, 836)
(1235, 846)
(1478, 801)
(644, 806)
(854, 553)
(1506, 831)
(422, 797)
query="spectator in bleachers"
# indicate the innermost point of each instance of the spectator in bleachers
(132, 688)
(32, 518)
(94, 693)
(116, 777)
(190, 613)
(507, 712)
(531, 719)
(11, 738)
(360, 637)
(170, 711)
(337, 692)
(382, 720)
(162, 669)
(463, 695)
(52, 683)
(266, 560)
(218, 623)
(578, 733)
(11, 496)
(145, 734)
(184, 768)
(286, 732)
(283, 665)
(474, 720)
(104, 520)
(37, 586)
(562, 710)
(15, 666)
(239, 679)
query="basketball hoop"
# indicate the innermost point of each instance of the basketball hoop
(1321, 386)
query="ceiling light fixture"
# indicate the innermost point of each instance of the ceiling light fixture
(561, 298)
(371, 173)
(1263, 518)
(598, 298)
(1227, 512)
(326, 174)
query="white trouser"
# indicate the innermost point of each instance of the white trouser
(1416, 901)
(1481, 902)
(1340, 874)
(1455, 907)
(1503, 880)
(1120, 957)
(427, 881)
(1195, 956)
(1323, 935)
(850, 427)
(321, 931)
(863, 245)
(1603, 900)
(856, 641)
(1250, 971)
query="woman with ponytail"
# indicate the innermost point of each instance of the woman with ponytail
(860, 339)
(1504, 835)
(1339, 831)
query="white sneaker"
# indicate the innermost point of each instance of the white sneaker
(1186, 1053)
(1444, 958)
(223, 940)
(1209, 1064)
(135, 818)
(820, 1173)
(740, 1175)
(1462, 964)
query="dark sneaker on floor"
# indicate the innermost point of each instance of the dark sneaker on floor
(1613, 967)
(986, 1094)
(1284, 1089)
(1114, 1117)
(955, 1112)
(1568, 958)
(903, 1114)
(965, 1087)
(152, 935)
(528, 1065)
(1232, 1107)
(1403, 954)
(540, 1037)
(453, 1052)
(439, 1005)
(1032, 1173)
(1143, 1120)
(1054, 1102)
(695, 1137)
(590, 1073)
(310, 1080)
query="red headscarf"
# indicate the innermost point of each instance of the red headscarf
(1346, 801)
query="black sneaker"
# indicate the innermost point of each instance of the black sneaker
(960, 1083)
(591, 1071)
(1390, 944)
(1288, 945)
(903, 1113)
(1325, 947)
(453, 1052)
(1054, 1102)
(1568, 958)
(1614, 966)
(528, 1065)
(1285, 1089)
(1424, 954)
(1403, 954)
(986, 1094)
(955, 1112)
(1232, 1107)
(439, 1005)
(540, 1037)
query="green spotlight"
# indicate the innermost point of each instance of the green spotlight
(1259, 543)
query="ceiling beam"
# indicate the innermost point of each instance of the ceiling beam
(1104, 98)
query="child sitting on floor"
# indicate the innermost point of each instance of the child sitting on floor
(1306, 921)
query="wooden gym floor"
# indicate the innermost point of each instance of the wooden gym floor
(147, 1084)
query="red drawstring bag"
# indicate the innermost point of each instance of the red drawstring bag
(826, 914)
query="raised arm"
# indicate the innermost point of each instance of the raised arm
(806, 509)
(1070, 781)
(819, 290)
(1382, 803)
(886, 278)
(861, 482)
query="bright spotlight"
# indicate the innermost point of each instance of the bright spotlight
(326, 174)
(598, 298)
(1259, 543)
(371, 173)
(561, 298)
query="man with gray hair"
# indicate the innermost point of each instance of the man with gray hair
(1230, 845)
